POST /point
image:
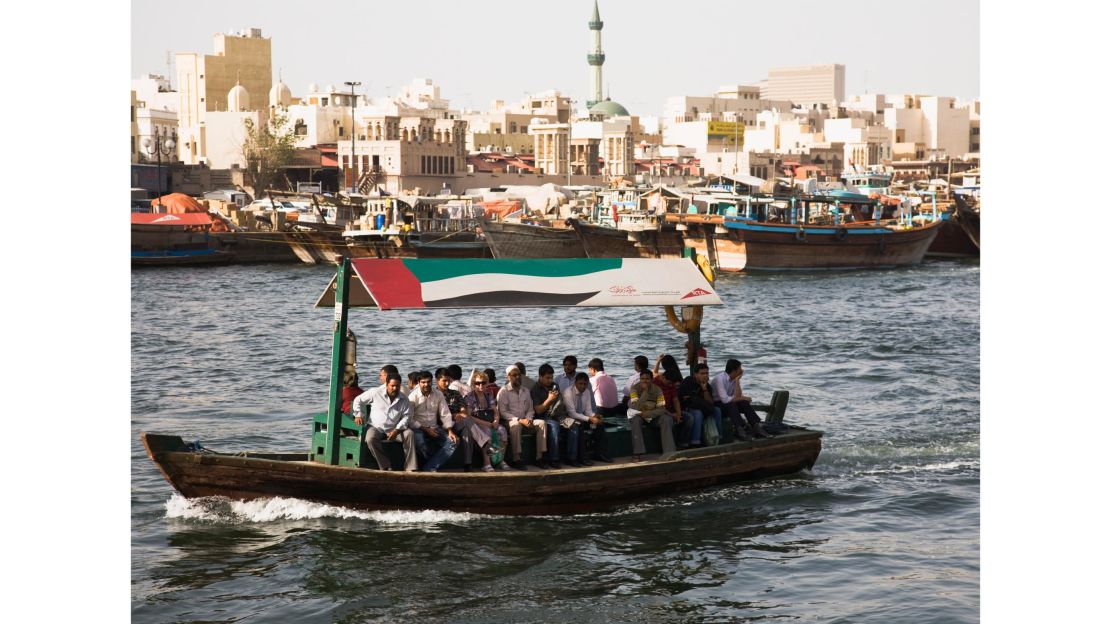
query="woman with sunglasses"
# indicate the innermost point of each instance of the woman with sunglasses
(485, 422)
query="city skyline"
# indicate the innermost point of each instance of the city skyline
(508, 50)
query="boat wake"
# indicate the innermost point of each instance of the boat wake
(952, 457)
(219, 510)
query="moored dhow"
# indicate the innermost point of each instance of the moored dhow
(510, 239)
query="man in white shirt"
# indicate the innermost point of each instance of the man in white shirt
(390, 411)
(640, 364)
(515, 404)
(431, 423)
(728, 396)
(579, 402)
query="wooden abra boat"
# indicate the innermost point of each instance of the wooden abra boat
(337, 468)
(246, 476)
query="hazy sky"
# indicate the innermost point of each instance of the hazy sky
(481, 50)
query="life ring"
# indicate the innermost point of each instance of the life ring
(703, 264)
(681, 325)
(841, 233)
(800, 235)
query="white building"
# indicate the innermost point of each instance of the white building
(930, 123)
(809, 86)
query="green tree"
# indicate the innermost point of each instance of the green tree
(266, 150)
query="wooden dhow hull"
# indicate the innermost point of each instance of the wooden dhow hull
(520, 240)
(606, 242)
(968, 218)
(747, 246)
(952, 242)
(532, 492)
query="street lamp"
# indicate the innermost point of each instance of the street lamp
(160, 146)
(354, 183)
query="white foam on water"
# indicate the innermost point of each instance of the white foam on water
(223, 510)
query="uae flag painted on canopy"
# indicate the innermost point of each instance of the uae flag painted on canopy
(512, 283)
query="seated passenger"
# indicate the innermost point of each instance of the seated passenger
(390, 412)
(516, 408)
(456, 376)
(431, 423)
(350, 391)
(485, 424)
(731, 400)
(639, 364)
(491, 381)
(579, 402)
(386, 371)
(697, 402)
(414, 379)
(604, 388)
(668, 382)
(525, 380)
(456, 404)
(547, 401)
(646, 404)
(565, 379)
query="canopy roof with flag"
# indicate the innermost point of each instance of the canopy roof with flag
(405, 283)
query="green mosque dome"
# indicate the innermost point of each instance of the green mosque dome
(608, 108)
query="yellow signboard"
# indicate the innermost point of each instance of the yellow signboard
(725, 128)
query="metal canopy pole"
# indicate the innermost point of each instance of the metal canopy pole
(338, 360)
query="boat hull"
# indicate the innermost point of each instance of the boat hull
(520, 240)
(968, 218)
(607, 242)
(531, 492)
(952, 242)
(181, 258)
(771, 247)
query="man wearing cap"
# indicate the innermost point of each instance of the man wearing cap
(517, 410)
(390, 411)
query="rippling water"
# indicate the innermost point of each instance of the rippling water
(884, 529)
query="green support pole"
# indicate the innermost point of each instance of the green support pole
(695, 336)
(338, 357)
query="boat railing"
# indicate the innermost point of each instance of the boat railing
(444, 224)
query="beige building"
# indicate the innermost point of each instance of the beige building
(551, 147)
(205, 82)
(809, 86)
(134, 128)
(404, 153)
(504, 128)
(927, 126)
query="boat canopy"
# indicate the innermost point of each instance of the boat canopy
(186, 218)
(409, 283)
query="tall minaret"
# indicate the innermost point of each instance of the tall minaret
(596, 58)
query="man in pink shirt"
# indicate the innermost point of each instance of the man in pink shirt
(604, 387)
